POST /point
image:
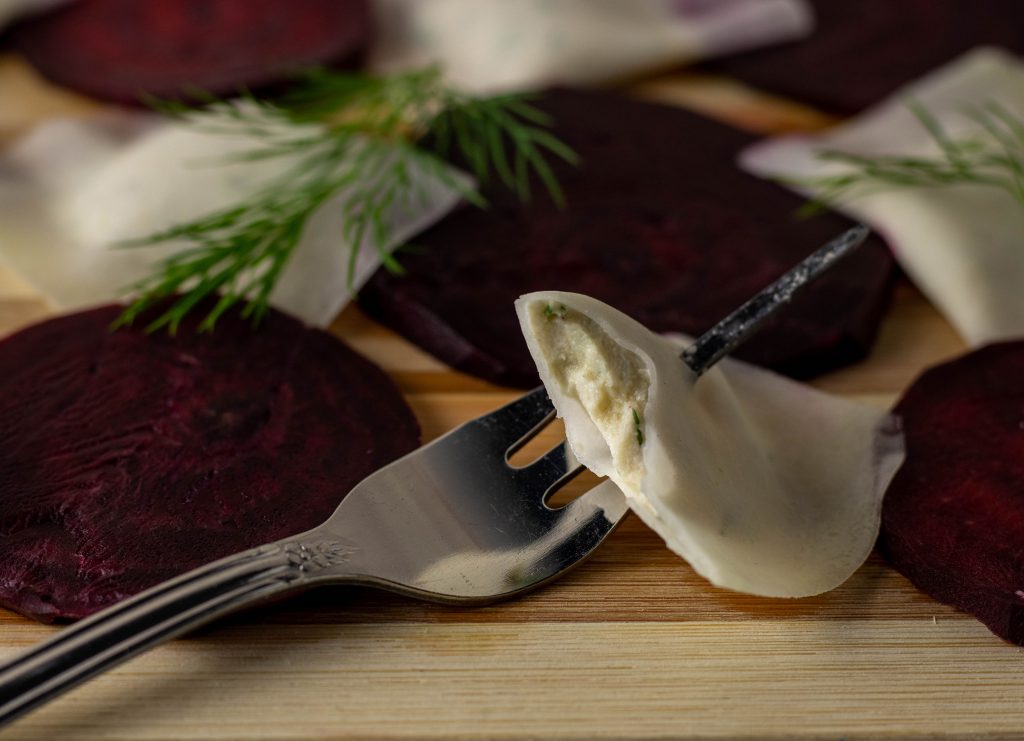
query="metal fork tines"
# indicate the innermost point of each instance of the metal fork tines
(488, 532)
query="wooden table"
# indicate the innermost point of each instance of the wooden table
(632, 644)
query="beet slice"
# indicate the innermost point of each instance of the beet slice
(863, 50)
(127, 458)
(660, 223)
(953, 518)
(119, 50)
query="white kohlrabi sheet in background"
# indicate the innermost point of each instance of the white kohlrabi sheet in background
(762, 484)
(491, 45)
(964, 245)
(72, 189)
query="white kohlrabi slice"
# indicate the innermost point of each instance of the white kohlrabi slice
(493, 45)
(961, 245)
(71, 190)
(762, 484)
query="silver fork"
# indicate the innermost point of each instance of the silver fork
(451, 522)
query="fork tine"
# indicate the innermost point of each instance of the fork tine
(514, 423)
(558, 464)
(605, 496)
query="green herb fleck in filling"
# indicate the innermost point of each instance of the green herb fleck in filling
(638, 425)
(552, 312)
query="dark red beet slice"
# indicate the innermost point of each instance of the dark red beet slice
(120, 49)
(863, 50)
(953, 518)
(127, 458)
(660, 223)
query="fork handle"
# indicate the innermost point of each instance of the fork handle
(110, 637)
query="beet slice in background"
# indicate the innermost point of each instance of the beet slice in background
(127, 458)
(660, 223)
(118, 50)
(863, 50)
(953, 518)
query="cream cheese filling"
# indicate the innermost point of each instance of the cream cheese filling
(609, 381)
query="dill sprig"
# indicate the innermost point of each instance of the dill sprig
(992, 156)
(355, 142)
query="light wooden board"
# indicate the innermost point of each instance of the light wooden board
(631, 645)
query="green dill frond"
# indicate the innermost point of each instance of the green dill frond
(355, 142)
(991, 156)
(552, 311)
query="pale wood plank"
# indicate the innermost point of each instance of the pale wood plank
(26, 99)
(17, 312)
(732, 102)
(753, 679)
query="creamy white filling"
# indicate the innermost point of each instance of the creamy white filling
(609, 381)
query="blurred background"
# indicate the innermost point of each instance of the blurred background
(659, 155)
(836, 56)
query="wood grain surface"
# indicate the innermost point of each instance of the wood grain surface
(630, 645)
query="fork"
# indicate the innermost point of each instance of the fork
(452, 522)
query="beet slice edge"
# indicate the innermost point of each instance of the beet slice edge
(953, 518)
(122, 50)
(127, 458)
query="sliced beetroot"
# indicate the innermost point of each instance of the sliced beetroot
(660, 223)
(120, 50)
(127, 458)
(863, 50)
(953, 518)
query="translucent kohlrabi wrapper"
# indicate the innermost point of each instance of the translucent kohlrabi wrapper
(762, 484)
(71, 190)
(495, 45)
(961, 245)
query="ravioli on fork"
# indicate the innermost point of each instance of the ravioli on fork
(764, 485)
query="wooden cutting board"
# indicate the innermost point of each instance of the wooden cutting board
(630, 645)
